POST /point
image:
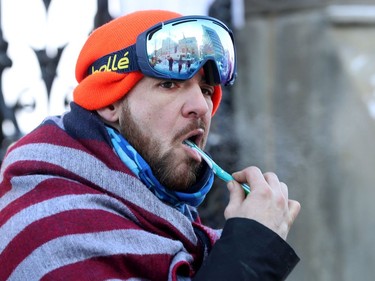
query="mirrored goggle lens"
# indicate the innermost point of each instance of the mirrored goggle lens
(179, 49)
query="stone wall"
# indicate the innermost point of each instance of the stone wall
(302, 106)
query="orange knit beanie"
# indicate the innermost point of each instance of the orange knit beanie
(104, 88)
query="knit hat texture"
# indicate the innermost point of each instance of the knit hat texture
(101, 89)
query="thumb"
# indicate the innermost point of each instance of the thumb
(294, 208)
(236, 197)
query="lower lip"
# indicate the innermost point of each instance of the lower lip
(193, 153)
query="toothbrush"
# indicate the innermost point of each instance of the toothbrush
(215, 167)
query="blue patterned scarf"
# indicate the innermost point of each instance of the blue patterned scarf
(134, 161)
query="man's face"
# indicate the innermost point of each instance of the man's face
(158, 115)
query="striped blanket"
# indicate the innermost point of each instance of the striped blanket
(71, 210)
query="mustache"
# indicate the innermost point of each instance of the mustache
(193, 125)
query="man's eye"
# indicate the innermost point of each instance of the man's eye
(208, 91)
(167, 84)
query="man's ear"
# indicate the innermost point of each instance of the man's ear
(110, 113)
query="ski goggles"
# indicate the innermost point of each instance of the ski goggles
(176, 50)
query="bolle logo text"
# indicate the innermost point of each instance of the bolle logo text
(113, 64)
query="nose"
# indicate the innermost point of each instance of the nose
(196, 103)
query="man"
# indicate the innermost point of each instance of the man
(109, 190)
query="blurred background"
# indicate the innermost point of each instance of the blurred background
(303, 106)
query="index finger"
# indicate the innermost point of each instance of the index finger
(251, 175)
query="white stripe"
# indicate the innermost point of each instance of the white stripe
(65, 250)
(68, 158)
(25, 184)
(56, 205)
(180, 256)
(97, 172)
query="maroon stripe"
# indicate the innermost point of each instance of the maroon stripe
(94, 147)
(5, 187)
(47, 189)
(61, 224)
(44, 133)
(150, 267)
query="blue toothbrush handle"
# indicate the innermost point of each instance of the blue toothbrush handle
(215, 167)
(227, 177)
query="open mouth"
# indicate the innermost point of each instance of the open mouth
(193, 139)
(195, 136)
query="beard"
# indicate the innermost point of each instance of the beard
(165, 166)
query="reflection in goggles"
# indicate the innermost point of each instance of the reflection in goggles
(182, 48)
(177, 49)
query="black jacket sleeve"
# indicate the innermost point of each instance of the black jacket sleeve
(247, 250)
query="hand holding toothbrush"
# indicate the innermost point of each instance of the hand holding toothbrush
(268, 202)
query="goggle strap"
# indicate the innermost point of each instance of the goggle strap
(121, 61)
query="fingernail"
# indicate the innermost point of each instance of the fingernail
(230, 185)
